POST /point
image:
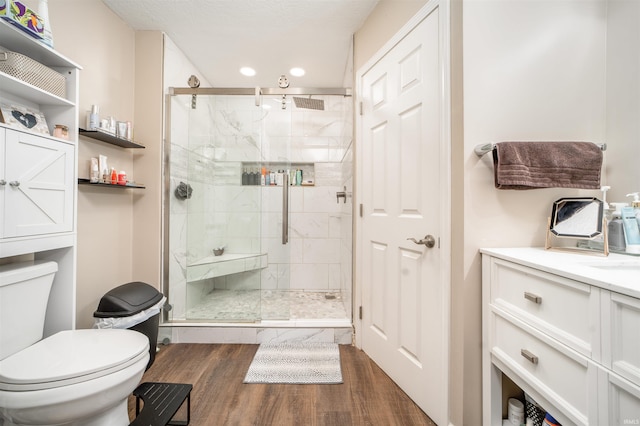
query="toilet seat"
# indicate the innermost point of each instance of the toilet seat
(72, 356)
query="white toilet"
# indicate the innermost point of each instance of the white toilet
(75, 377)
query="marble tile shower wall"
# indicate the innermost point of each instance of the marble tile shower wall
(208, 148)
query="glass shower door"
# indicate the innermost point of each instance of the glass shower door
(234, 221)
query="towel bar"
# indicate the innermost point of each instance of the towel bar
(485, 148)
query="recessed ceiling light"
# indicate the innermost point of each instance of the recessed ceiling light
(247, 71)
(296, 72)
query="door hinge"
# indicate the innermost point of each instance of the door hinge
(360, 312)
(361, 210)
(361, 108)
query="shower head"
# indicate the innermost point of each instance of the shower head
(309, 103)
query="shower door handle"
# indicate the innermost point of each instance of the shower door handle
(285, 208)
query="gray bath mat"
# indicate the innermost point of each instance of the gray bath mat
(296, 363)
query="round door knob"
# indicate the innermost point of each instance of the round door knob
(428, 241)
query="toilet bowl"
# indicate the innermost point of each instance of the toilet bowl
(76, 377)
(72, 378)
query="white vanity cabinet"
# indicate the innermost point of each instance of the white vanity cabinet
(568, 340)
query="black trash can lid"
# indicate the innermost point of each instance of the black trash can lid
(127, 299)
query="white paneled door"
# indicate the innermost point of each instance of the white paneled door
(404, 325)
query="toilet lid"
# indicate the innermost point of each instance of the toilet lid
(72, 356)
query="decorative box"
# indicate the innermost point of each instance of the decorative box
(22, 17)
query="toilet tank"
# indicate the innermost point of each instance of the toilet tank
(24, 293)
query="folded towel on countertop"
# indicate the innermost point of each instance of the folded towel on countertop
(529, 165)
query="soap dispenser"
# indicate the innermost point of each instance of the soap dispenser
(630, 224)
(615, 229)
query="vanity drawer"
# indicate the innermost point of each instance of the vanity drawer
(562, 308)
(621, 341)
(564, 377)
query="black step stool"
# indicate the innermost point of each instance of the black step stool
(161, 402)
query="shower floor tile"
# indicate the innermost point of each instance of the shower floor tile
(255, 305)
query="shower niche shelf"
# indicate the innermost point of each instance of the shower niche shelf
(308, 169)
(226, 264)
(109, 138)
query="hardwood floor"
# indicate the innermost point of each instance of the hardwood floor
(216, 371)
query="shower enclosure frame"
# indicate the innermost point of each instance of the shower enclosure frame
(258, 92)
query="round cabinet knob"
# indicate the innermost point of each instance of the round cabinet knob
(14, 183)
(3, 182)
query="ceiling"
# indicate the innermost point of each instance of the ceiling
(271, 36)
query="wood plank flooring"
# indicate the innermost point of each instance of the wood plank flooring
(216, 371)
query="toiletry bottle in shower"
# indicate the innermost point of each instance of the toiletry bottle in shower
(245, 176)
(263, 177)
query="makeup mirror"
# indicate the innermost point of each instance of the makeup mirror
(578, 218)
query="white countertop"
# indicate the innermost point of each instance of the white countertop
(616, 272)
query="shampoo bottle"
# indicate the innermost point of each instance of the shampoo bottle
(94, 173)
(94, 118)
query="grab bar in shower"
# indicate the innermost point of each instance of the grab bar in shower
(285, 209)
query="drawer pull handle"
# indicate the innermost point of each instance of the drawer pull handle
(534, 298)
(529, 356)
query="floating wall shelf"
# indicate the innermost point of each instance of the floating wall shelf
(109, 138)
(83, 181)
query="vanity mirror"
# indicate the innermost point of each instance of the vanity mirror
(577, 218)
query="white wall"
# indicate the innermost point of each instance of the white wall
(533, 70)
(383, 22)
(623, 98)
(88, 32)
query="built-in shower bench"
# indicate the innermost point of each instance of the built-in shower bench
(225, 264)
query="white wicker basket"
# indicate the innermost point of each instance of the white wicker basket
(32, 72)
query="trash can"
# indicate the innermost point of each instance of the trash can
(134, 306)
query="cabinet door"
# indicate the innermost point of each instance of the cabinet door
(619, 400)
(621, 343)
(39, 193)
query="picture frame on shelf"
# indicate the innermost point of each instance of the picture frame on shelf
(23, 118)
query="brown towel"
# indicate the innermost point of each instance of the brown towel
(529, 165)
